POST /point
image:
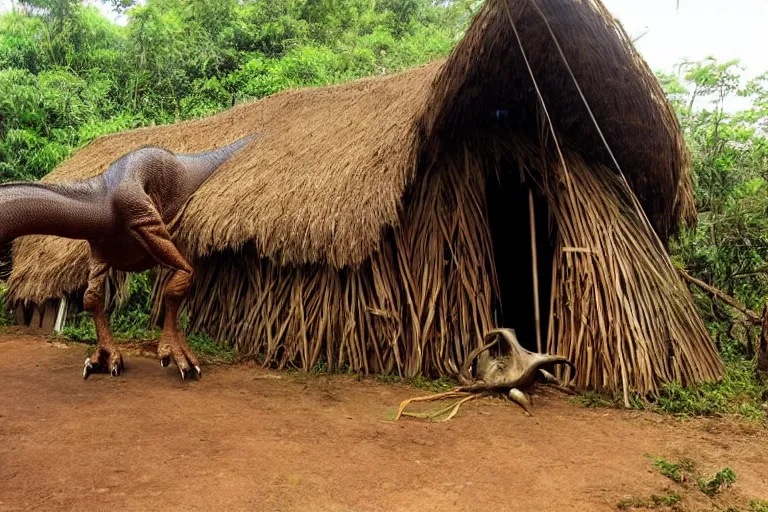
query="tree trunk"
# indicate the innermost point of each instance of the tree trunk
(762, 346)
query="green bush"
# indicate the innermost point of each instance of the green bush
(5, 315)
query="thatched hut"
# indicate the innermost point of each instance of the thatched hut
(385, 224)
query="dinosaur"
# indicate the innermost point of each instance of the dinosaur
(124, 215)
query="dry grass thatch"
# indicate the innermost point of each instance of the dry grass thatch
(487, 72)
(356, 230)
(410, 309)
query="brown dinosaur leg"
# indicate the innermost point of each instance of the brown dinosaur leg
(106, 355)
(155, 238)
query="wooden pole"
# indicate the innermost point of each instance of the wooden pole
(761, 350)
(535, 270)
(534, 263)
(59, 324)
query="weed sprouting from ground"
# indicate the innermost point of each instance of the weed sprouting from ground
(722, 480)
(675, 471)
(685, 474)
(666, 500)
(208, 349)
(669, 499)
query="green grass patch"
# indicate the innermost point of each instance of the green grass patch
(740, 392)
(6, 318)
(676, 471)
(668, 499)
(433, 385)
(209, 350)
(592, 399)
(128, 322)
(131, 323)
(722, 480)
(122, 326)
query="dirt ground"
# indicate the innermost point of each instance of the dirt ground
(244, 438)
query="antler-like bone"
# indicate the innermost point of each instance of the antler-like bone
(512, 374)
(518, 368)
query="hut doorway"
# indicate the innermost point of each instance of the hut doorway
(508, 211)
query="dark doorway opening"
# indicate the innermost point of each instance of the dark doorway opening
(509, 219)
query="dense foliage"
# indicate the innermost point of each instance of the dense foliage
(68, 74)
(729, 247)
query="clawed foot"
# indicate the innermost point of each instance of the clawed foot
(104, 359)
(178, 350)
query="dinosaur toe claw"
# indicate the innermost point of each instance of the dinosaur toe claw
(199, 371)
(87, 368)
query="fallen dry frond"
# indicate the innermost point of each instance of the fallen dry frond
(451, 410)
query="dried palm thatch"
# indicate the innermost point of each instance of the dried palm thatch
(487, 72)
(619, 311)
(408, 310)
(355, 231)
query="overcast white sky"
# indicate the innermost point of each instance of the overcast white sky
(725, 30)
(699, 28)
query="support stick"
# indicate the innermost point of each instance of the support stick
(59, 325)
(752, 317)
(534, 264)
(535, 269)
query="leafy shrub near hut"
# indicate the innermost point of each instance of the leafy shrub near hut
(5, 315)
(130, 321)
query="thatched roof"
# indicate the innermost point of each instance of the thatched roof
(487, 71)
(329, 174)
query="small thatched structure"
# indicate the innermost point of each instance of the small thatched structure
(384, 224)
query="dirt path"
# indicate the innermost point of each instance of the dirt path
(248, 439)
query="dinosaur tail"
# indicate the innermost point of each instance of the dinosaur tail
(72, 210)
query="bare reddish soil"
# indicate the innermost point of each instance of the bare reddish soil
(244, 438)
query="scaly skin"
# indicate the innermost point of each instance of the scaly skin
(123, 214)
